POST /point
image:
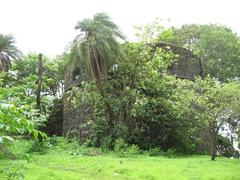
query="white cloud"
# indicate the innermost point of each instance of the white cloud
(48, 25)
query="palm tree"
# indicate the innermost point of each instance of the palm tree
(96, 45)
(98, 48)
(8, 51)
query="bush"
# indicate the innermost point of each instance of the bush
(14, 171)
(40, 146)
(225, 147)
(132, 150)
(107, 143)
(122, 149)
(170, 152)
(6, 153)
(155, 152)
(120, 145)
(54, 140)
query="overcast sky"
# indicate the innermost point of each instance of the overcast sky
(47, 26)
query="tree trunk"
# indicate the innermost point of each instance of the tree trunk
(214, 147)
(39, 83)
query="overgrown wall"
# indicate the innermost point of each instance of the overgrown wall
(76, 119)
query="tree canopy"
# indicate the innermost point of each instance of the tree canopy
(97, 44)
(217, 45)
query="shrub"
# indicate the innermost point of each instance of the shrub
(120, 145)
(225, 147)
(14, 171)
(171, 152)
(40, 146)
(107, 143)
(122, 149)
(155, 152)
(132, 150)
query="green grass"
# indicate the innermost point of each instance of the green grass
(59, 164)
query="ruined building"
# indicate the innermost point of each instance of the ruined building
(187, 66)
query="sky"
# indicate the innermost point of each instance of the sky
(47, 26)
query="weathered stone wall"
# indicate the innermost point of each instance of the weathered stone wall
(187, 66)
(72, 118)
(75, 119)
(74, 74)
(54, 124)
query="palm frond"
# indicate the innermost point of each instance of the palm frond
(96, 46)
(8, 51)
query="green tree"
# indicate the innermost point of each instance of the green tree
(17, 113)
(97, 48)
(96, 45)
(22, 84)
(53, 70)
(217, 45)
(214, 104)
(8, 51)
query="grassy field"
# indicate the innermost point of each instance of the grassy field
(77, 163)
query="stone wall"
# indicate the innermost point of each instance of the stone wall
(54, 124)
(187, 66)
(75, 119)
(74, 74)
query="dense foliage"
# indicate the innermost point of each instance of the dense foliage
(132, 102)
(17, 116)
(152, 109)
(18, 113)
(217, 45)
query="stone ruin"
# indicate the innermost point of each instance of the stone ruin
(187, 66)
